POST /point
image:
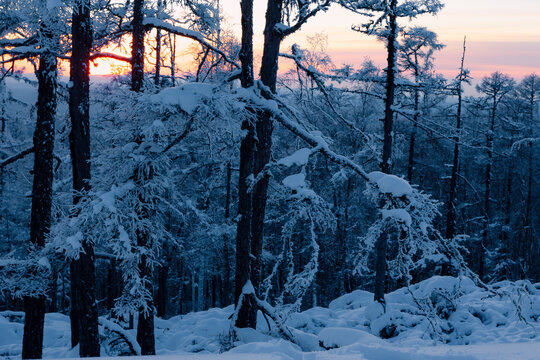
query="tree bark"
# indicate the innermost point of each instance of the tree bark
(487, 193)
(158, 52)
(528, 238)
(137, 46)
(452, 192)
(247, 311)
(145, 325)
(42, 190)
(162, 293)
(380, 276)
(410, 167)
(84, 308)
(451, 212)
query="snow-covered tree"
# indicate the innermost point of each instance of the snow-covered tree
(383, 23)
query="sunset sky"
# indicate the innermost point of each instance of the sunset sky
(502, 35)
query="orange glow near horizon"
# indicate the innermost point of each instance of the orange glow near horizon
(500, 37)
(104, 66)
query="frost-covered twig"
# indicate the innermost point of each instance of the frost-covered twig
(191, 34)
(315, 76)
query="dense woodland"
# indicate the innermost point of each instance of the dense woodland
(166, 190)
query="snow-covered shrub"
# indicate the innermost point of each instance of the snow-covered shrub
(307, 215)
(407, 218)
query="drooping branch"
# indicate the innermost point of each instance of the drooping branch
(313, 140)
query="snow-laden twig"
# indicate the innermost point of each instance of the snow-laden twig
(191, 34)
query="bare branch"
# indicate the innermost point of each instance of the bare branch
(12, 159)
(110, 56)
(194, 35)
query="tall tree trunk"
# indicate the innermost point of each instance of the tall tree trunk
(145, 325)
(112, 280)
(505, 248)
(410, 167)
(54, 289)
(83, 283)
(247, 311)
(137, 46)
(257, 149)
(263, 131)
(380, 276)
(173, 59)
(226, 287)
(528, 238)
(487, 194)
(452, 193)
(162, 293)
(158, 50)
(42, 189)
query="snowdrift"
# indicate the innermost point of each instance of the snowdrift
(439, 318)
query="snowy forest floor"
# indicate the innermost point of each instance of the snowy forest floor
(439, 318)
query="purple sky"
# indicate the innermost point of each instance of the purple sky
(502, 35)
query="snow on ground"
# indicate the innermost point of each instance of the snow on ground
(439, 318)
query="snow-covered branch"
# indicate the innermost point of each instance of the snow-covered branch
(191, 34)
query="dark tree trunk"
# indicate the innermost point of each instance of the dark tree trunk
(145, 330)
(451, 212)
(452, 192)
(137, 46)
(410, 167)
(158, 53)
(256, 151)
(272, 42)
(173, 59)
(53, 307)
(528, 236)
(74, 313)
(228, 191)
(42, 190)
(380, 277)
(112, 280)
(247, 311)
(505, 247)
(226, 287)
(84, 309)
(34, 321)
(263, 130)
(157, 76)
(487, 194)
(145, 333)
(145, 325)
(162, 290)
